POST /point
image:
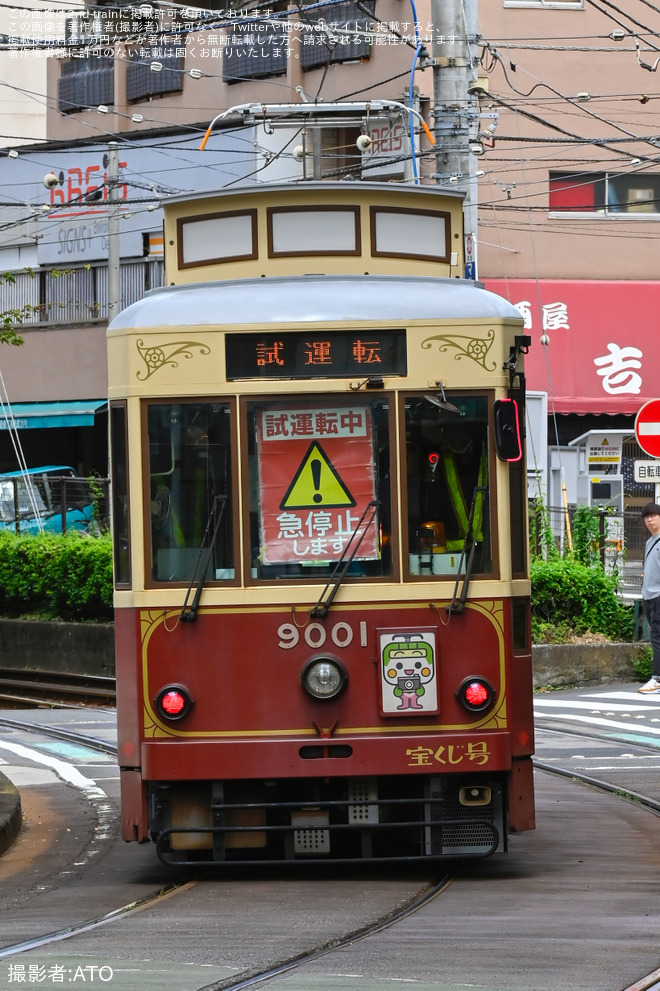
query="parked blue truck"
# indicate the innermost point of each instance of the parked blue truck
(52, 498)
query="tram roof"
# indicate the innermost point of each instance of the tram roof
(311, 188)
(313, 299)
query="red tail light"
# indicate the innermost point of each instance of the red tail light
(173, 702)
(476, 694)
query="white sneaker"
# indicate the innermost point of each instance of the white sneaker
(651, 686)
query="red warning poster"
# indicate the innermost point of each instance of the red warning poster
(316, 479)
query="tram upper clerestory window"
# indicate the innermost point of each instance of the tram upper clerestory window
(319, 473)
(190, 490)
(448, 505)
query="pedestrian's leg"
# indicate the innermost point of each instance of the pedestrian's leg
(652, 613)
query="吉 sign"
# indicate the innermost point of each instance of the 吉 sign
(647, 428)
(316, 478)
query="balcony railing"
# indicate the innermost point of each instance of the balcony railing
(255, 50)
(87, 82)
(48, 297)
(337, 34)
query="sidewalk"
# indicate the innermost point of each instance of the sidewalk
(10, 813)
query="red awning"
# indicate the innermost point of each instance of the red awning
(602, 355)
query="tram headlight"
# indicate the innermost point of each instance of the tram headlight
(173, 702)
(476, 694)
(324, 678)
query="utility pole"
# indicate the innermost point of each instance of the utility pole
(114, 281)
(455, 109)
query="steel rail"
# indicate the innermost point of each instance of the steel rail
(648, 984)
(68, 736)
(16, 686)
(100, 920)
(632, 796)
(120, 913)
(652, 981)
(261, 977)
(251, 980)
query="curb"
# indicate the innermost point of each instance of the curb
(11, 816)
(565, 665)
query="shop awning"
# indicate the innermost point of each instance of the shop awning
(36, 416)
(601, 355)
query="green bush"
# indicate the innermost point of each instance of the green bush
(69, 576)
(56, 576)
(642, 661)
(568, 594)
(586, 535)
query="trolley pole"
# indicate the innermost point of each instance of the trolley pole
(456, 110)
(114, 280)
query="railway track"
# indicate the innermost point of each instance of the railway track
(48, 689)
(259, 977)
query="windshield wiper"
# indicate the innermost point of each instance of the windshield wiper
(189, 612)
(320, 610)
(457, 605)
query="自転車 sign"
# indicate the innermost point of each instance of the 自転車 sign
(647, 471)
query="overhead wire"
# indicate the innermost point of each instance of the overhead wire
(12, 428)
(600, 4)
(570, 136)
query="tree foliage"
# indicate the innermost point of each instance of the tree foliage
(11, 317)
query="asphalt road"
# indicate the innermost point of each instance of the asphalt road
(572, 906)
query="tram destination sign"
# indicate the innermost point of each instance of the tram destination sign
(316, 354)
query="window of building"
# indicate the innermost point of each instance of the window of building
(550, 4)
(605, 193)
(338, 34)
(142, 82)
(84, 83)
(254, 50)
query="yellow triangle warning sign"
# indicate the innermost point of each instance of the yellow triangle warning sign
(316, 484)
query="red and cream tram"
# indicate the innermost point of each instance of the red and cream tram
(322, 596)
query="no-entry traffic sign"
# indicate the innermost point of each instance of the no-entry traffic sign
(647, 428)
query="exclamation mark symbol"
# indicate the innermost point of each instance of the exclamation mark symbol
(315, 465)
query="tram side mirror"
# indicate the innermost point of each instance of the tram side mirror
(507, 430)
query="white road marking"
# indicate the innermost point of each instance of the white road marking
(608, 723)
(64, 771)
(571, 704)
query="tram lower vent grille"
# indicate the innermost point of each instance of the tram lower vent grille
(461, 834)
(361, 791)
(313, 839)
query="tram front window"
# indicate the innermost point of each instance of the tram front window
(319, 487)
(190, 474)
(447, 483)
